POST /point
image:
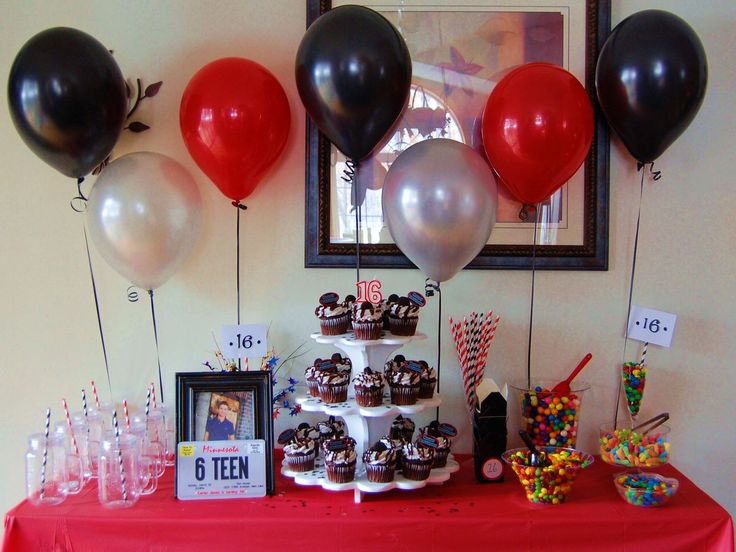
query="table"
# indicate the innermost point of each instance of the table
(459, 515)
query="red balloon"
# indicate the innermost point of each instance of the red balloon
(537, 130)
(234, 118)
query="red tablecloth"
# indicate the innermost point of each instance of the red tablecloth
(459, 515)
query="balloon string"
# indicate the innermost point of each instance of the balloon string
(79, 205)
(158, 354)
(531, 300)
(656, 175)
(439, 343)
(351, 167)
(97, 308)
(640, 166)
(240, 207)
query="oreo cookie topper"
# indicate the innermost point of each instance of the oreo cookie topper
(286, 436)
(417, 298)
(448, 430)
(428, 441)
(329, 298)
(414, 366)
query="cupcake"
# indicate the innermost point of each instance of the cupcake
(333, 318)
(367, 320)
(427, 382)
(299, 451)
(402, 428)
(333, 386)
(380, 461)
(331, 428)
(403, 315)
(386, 305)
(404, 384)
(416, 462)
(393, 365)
(437, 436)
(348, 304)
(313, 372)
(368, 388)
(340, 459)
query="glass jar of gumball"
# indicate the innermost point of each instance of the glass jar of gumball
(551, 419)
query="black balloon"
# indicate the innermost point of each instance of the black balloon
(353, 72)
(67, 99)
(651, 79)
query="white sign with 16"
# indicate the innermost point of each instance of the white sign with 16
(244, 340)
(651, 326)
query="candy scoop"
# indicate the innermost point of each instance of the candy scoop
(563, 388)
(536, 458)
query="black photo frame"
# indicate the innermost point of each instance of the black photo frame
(259, 383)
(592, 254)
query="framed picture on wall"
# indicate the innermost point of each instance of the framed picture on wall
(460, 49)
(225, 406)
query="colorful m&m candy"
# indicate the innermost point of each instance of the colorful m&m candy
(551, 419)
(641, 489)
(634, 376)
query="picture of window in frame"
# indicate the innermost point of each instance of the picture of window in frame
(459, 50)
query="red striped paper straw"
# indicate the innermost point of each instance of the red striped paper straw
(69, 423)
(94, 392)
(126, 414)
(153, 395)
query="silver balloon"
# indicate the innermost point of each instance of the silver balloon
(439, 202)
(144, 214)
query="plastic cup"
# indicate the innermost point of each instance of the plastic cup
(550, 419)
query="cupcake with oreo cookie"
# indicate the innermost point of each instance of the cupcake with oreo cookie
(437, 436)
(402, 428)
(416, 463)
(427, 382)
(334, 319)
(367, 320)
(380, 461)
(299, 450)
(340, 459)
(403, 315)
(333, 386)
(404, 384)
(368, 388)
(386, 305)
(331, 428)
(392, 365)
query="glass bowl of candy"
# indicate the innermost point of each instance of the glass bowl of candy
(550, 419)
(551, 481)
(626, 447)
(645, 489)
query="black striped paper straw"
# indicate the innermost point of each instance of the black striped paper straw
(45, 452)
(120, 454)
(148, 400)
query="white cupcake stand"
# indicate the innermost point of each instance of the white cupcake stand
(363, 354)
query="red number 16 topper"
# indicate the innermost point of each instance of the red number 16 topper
(369, 291)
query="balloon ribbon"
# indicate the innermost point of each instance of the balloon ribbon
(531, 299)
(97, 308)
(79, 205)
(351, 167)
(158, 354)
(430, 287)
(240, 207)
(656, 175)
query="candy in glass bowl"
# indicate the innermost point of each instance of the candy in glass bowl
(550, 481)
(550, 418)
(644, 446)
(644, 489)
